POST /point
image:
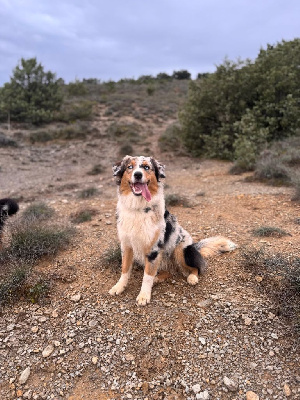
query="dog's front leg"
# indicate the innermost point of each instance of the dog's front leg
(127, 257)
(150, 272)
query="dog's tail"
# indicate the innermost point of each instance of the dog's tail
(7, 207)
(214, 245)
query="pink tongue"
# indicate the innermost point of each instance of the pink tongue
(145, 191)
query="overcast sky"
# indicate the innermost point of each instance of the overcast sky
(116, 39)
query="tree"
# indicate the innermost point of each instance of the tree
(182, 74)
(244, 104)
(32, 95)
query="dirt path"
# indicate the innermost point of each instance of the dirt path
(189, 340)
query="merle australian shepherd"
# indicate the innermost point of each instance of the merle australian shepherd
(7, 207)
(150, 234)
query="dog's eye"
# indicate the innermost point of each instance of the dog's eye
(146, 167)
(130, 167)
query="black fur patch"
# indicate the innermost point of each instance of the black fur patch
(147, 209)
(160, 245)
(193, 258)
(152, 256)
(166, 214)
(7, 207)
(168, 231)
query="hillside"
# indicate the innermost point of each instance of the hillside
(234, 333)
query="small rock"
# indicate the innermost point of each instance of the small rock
(34, 329)
(76, 297)
(47, 350)
(287, 390)
(251, 396)
(230, 384)
(196, 388)
(24, 376)
(204, 303)
(54, 314)
(56, 343)
(202, 340)
(42, 319)
(258, 278)
(248, 321)
(94, 360)
(108, 222)
(19, 393)
(93, 323)
(203, 395)
(129, 357)
(10, 327)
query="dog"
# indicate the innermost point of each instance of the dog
(150, 234)
(8, 207)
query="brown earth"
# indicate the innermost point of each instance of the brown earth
(107, 347)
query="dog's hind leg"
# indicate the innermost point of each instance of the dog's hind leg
(191, 262)
(127, 258)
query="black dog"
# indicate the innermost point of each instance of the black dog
(7, 207)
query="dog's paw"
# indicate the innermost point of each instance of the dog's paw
(192, 279)
(117, 289)
(143, 298)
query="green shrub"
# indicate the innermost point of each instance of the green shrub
(76, 88)
(244, 104)
(171, 140)
(7, 142)
(38, 211)
(124, 130)
(89, 192)
(83, 216)
(33, 236)
(112, 256)
(174, 199)
(125, 150)
(96, 170)
(269, 231)
(79, 110)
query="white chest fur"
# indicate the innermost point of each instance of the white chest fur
(139, 222)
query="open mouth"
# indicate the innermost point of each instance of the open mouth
(141, 189)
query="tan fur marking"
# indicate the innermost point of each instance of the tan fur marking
(125, 188)
(153, 184)
(151, 268)
(127, 259)
(179, 257)
(162, 276)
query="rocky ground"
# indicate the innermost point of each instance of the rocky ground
(222, 339)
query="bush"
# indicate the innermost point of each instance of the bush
(244, 104)
(87, 193)
(269, 231)
(83, 216)
(171, 140)
(7, 142)
(32, 236)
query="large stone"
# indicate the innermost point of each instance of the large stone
(24, 376)
(230, 384)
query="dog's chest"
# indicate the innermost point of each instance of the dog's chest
(138, 230)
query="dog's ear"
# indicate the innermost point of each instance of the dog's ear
(119, 169)
(158, 168)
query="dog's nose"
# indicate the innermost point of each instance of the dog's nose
(138, 175)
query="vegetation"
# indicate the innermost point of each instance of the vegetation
(32, 95)
(269, 231)
(83, 216)
(233, 112)
(280, 279)
(175, 199)
(87, 193)
(34, 235)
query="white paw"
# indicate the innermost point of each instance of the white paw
(117, 289)
(192, 279)
(143, 298)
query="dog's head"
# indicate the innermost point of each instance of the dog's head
(139, 176)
